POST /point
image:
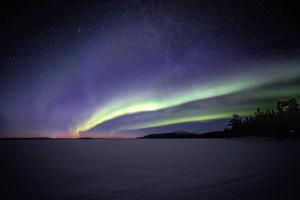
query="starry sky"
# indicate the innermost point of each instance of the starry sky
(129, 68)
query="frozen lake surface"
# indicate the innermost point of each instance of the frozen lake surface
(150, 169)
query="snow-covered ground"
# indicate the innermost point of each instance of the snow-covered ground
(150, 169)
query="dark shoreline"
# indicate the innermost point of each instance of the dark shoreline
(176, 135)
(62, 138)
(215, 135)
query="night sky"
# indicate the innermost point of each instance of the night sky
(129, 68)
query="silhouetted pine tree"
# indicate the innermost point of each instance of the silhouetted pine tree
(284, 120)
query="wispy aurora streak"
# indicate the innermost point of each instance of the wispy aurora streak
(196, 118)
(155, 101)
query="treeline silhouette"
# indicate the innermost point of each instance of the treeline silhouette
(281, 121)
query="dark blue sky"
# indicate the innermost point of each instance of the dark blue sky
(126, 68)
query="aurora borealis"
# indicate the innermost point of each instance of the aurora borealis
(147, 103)
(124, 69)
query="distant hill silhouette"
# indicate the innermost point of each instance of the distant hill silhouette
(178, 134)
(281, 122)
(185, 135)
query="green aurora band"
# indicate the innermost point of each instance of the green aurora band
(153, 101)
(265, 100)
(195, 118)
